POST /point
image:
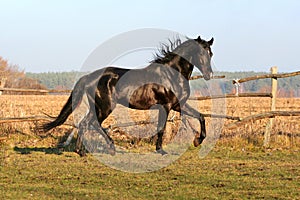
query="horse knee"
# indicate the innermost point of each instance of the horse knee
(202, 119)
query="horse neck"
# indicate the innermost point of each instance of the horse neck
(184, 67)
(184, 59)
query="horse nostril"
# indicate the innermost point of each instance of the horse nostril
(206, 77)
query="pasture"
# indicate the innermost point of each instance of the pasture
(238, 167)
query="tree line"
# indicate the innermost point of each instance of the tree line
(56, 80)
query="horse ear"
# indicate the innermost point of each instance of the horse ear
(199, 39)
(211, 41)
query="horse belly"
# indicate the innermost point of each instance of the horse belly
(143, 98)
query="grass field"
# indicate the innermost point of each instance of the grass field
(238, 167)
(223, 174)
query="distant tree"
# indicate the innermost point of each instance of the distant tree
(16, 78)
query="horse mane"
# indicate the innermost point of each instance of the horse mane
(165, 52)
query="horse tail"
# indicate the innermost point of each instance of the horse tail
(73, 101)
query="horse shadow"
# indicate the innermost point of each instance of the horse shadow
(46, 150)
(58, 149)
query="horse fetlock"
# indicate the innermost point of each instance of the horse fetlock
(111, 150)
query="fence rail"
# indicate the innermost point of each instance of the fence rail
(274, 76)
(259, 116)
(34, 90)
(4, 120)
(232, 96)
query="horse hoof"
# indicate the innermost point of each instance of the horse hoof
(112, 152)
(161, 151)
(81, 153)
(111, 149)
(198, 140)
(61, 145)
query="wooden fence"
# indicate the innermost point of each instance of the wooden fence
(273, 113)
(22, 90)
(238, 120)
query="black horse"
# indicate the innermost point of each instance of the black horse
(162, 85)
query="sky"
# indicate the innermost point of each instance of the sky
(59, 35)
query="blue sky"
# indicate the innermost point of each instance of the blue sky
(59, 35)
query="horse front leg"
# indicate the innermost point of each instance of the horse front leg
(161, 127)
(190, 111)
(199, 138)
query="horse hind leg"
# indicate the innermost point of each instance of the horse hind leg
(103, 109)
(83, 127)
(88, 121)
(68, 140)
(109, 147)
(79, 148)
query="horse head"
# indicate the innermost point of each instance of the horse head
(201, 56)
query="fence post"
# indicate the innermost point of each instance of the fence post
(2, 83)
(273, 108)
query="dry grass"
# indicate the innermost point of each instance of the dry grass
(285, 133)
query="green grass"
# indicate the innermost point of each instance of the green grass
(223, 174)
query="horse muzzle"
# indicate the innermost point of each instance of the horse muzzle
(208, 76)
